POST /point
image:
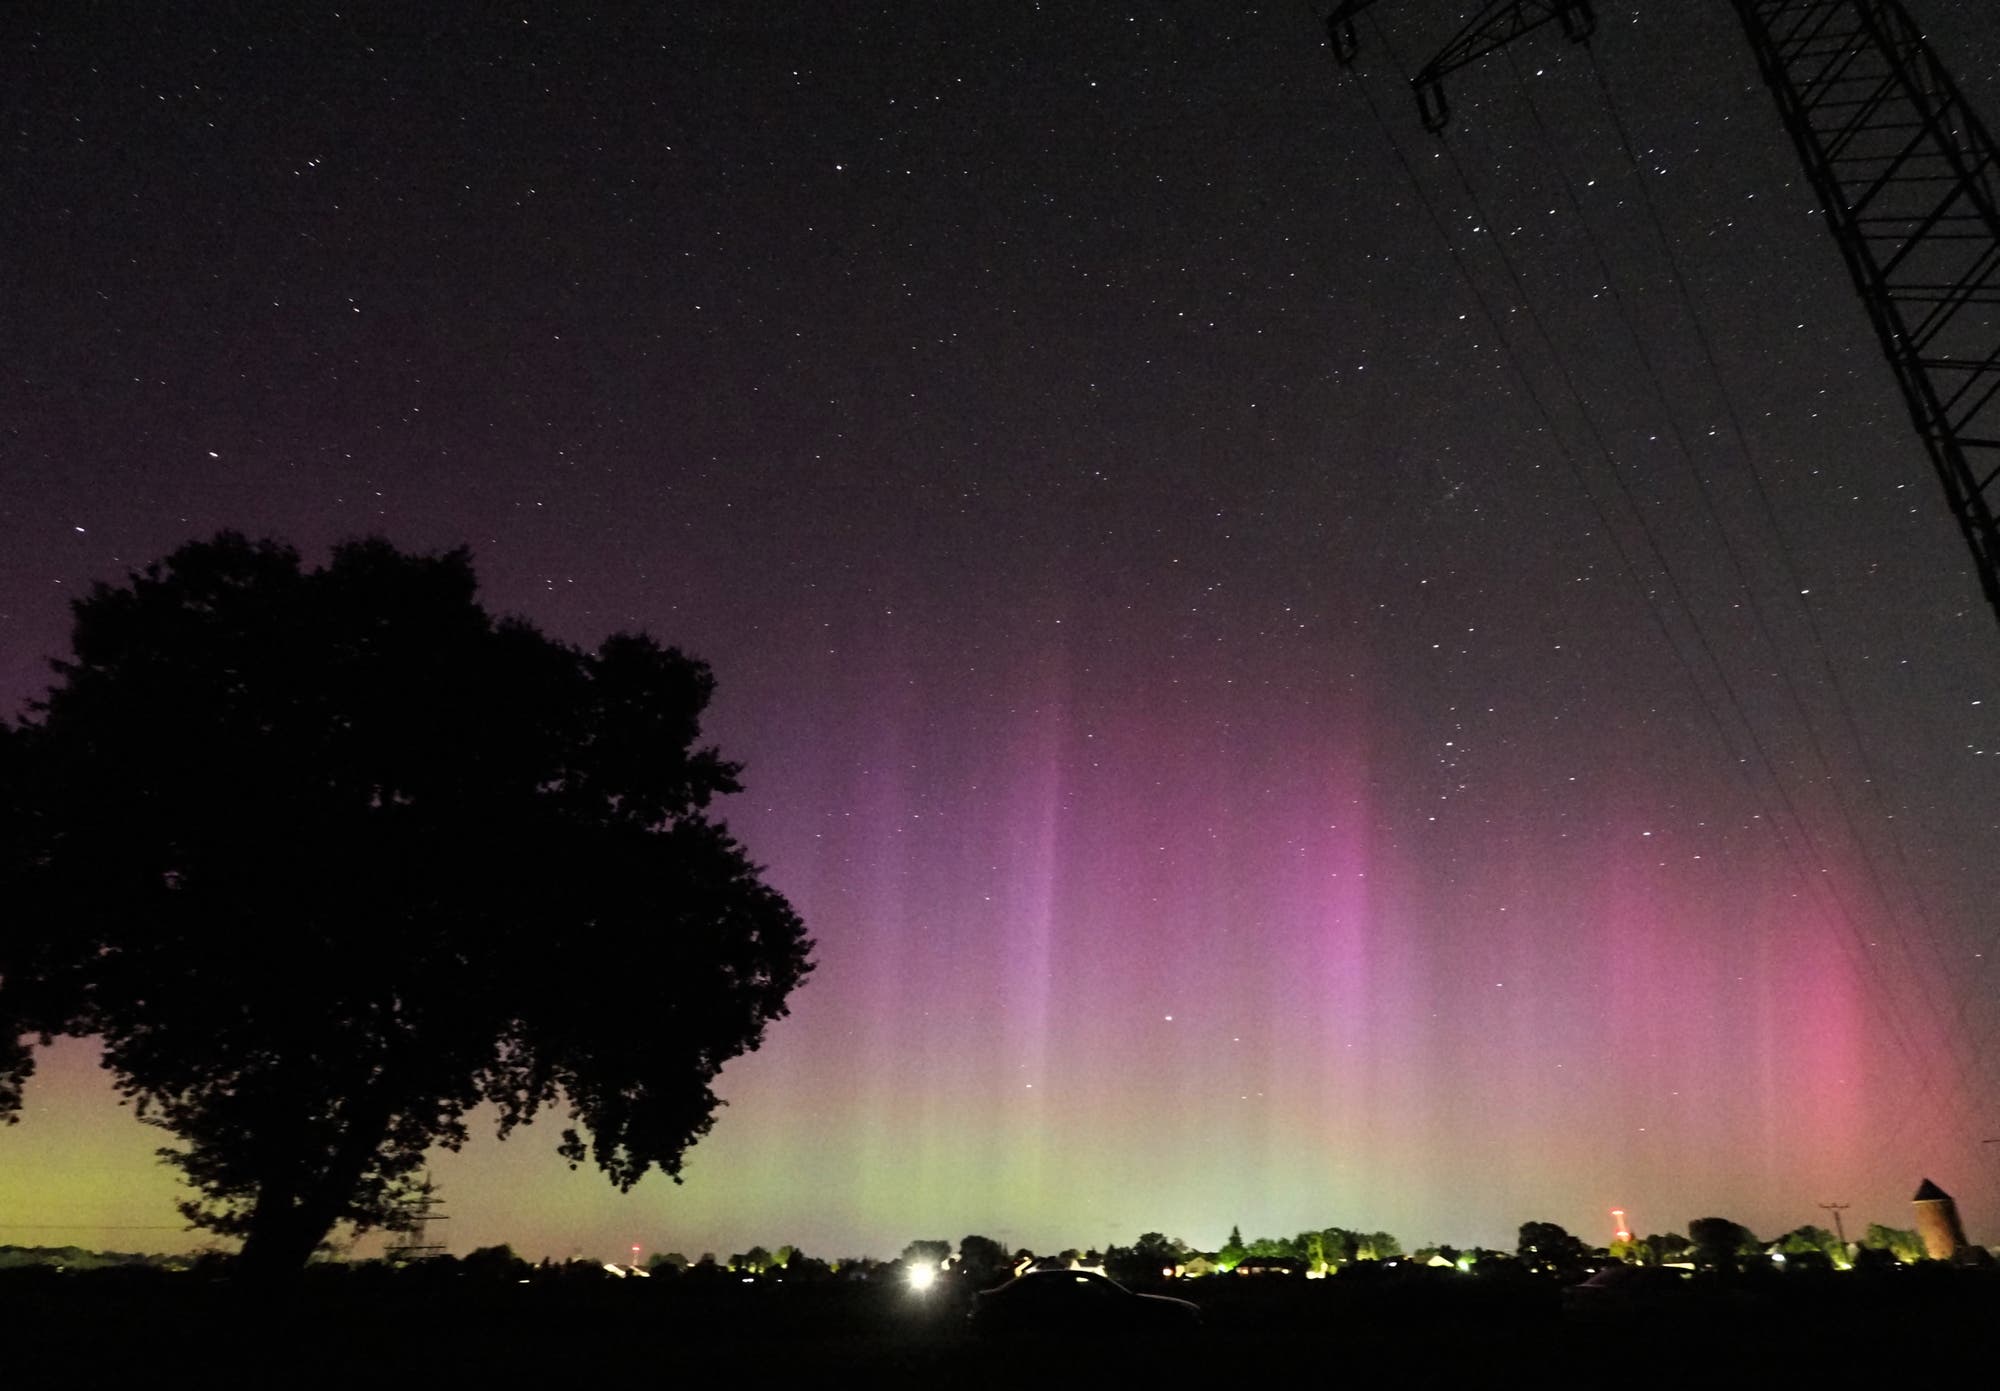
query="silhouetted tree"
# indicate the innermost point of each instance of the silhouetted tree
(495, 1263)
(982, 1260)
(1906, 1246)
(1328, 1249)
(1720, 1244)
(328, 857)
(1379, 1246)
(1127, 1265)
(931, 1252)
(1342, 1246)
(1548, 1248)
(1159, 1252)
(804, 1268)
(1311, 1247)
(1232, 1250)
(1874, 1260)
(1148, 1258)
(1810, 1241)
(1662, 1248)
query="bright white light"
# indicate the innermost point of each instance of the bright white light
(922, 1277)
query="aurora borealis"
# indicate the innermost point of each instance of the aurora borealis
(1195, 701)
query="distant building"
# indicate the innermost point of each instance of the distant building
(1938, 1224)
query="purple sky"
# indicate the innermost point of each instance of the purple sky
(1187, 688)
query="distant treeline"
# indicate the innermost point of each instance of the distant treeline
(1543, 1248)
(77, 1258)
(1710, 1243)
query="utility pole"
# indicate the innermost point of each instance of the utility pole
(1839, 1227)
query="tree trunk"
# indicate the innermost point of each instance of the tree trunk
(285, 1228)
(277, 1247)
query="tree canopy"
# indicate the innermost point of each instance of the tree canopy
(1720, 1244)
(1810, 1244)
(1548, 1247)
(327, 857)
(927, 1252)
(1905, 1245)
(1146, 1259)
(982, 1260)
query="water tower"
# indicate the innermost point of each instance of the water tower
(1937, 1222)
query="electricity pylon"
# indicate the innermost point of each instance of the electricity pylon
(1909, 178)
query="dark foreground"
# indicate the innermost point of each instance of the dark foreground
(144, 1328)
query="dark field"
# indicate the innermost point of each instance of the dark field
(139, 1328)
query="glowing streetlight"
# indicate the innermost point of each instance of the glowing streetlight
(922, 1277)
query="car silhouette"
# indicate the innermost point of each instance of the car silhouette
(1077, 1304)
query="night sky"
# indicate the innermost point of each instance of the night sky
(1252, 747)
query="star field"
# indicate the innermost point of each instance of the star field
(1260, 652)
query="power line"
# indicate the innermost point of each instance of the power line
(1535, 398)
(94, 1226)
(1743, 585)
(1974, 1053)
(1899, 1029)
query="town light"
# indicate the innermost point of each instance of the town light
(922, 1277)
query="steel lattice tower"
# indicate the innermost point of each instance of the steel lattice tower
(418, 1214)
(1909, 179)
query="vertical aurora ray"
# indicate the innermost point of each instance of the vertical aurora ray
(1030, 873)
(1327, 1043)
(1211, 734)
